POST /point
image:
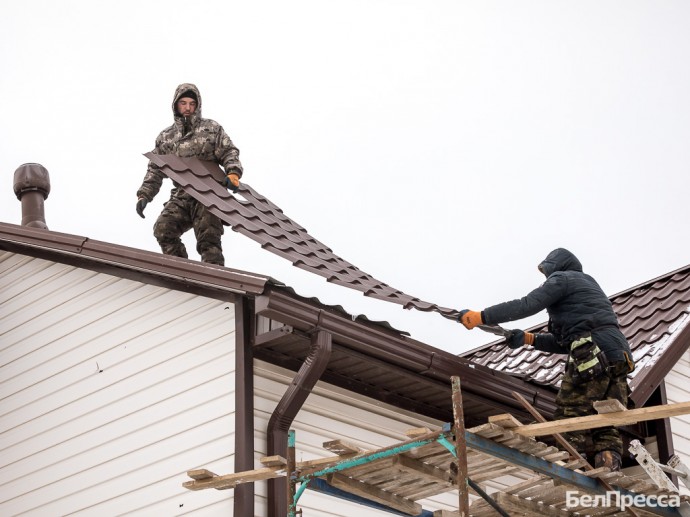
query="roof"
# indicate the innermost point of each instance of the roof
(653, 316)
(369, 358)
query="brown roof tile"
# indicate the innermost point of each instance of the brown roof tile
(261, 220)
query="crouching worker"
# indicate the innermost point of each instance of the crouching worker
(583, 325)
(190, 135)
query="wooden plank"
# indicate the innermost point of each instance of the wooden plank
(505, 471)
(627, 417)
(424, 470)
(342, 448)
(446, 513)
(200, 474)
(232, 480)
(505, 420)
(527, 484)
(374, 494)
(515, 505)
(273, 461)
(608, 406)
(417, 432)
(488, 430)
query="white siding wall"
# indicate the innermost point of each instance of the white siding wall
(678, 390)
(109, 391)
(331, 413)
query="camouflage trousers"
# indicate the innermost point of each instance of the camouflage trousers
(181, 213)
(577, 400)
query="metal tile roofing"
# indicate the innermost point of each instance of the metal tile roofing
(654, 317)
(261, 220)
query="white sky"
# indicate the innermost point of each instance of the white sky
(444, 147)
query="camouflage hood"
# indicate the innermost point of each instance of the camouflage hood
(179, 91)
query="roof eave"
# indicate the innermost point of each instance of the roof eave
(155, 268)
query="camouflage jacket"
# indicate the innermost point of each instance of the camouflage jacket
(190, 136)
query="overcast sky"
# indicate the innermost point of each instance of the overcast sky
(444, 147)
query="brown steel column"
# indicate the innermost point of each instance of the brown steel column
(244, 404)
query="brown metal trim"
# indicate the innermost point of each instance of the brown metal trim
(405, 352)
(645, 383)
(153, 268)
(387, 346)
(244, 404)
(662, 429)
(289, 405)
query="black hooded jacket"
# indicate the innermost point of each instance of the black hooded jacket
(576, 306)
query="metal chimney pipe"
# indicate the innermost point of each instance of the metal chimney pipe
(32, 186)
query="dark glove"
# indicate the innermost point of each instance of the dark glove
(141, 204)
(232, 182)
(518, 338)
(470, 319)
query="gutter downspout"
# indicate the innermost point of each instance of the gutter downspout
(285, 412)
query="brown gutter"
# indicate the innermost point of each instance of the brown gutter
(285, 412)
(32, 186)
(401, 351)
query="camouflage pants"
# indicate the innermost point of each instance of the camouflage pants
(181, 213)
(576, 400)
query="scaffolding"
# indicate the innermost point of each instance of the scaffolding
(556, 482)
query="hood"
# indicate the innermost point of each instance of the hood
(559, 259)
(185, 87)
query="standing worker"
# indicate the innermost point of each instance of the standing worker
(190, 135)
(583, 325)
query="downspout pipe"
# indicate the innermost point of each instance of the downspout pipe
(285, 412)
(32, 186)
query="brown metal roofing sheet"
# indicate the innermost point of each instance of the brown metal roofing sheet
(262, 221)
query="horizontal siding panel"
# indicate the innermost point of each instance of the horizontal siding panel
(117, 395)
(677, 383)
(99, 366)
(96, 443)
(140, 471)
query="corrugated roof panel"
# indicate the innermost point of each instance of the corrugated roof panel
(259, 219)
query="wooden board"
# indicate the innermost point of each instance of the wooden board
(628, 417)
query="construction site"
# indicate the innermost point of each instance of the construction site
(556, 481)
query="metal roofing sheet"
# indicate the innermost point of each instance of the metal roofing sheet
(261, 220)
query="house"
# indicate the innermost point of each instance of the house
(121, 369)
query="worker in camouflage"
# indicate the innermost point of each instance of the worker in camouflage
(190, 135)
(583, 325)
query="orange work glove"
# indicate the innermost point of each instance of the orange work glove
(232, 181)
(470, 319)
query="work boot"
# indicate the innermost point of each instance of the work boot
(610, 459)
